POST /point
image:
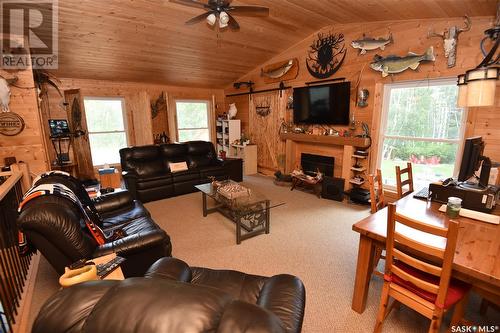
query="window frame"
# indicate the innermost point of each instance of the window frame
(124, 116)
(209, 120)
(385, 111)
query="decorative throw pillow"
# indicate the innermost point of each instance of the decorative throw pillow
(176, 167)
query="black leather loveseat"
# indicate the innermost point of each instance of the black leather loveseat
(176, 298)
(147, 174)
(56, 227)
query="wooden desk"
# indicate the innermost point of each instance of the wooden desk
(477, 255)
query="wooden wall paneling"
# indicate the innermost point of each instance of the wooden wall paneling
(153, 51)
(141, 114)
(264, 131)
(243, 106)
(81, 144)
(410, 35)
(28, 146)
(160, 122)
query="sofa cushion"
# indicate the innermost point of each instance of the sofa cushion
(200, 154)
(185, 176)
(155, 181)
(173, 153)
(219, 172)
(144, 160)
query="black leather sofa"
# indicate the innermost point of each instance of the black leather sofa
(147, 174)
(176, 298)
(56, 227)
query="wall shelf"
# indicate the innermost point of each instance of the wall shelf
(327, 139)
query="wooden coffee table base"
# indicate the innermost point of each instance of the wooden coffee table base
(243, 231)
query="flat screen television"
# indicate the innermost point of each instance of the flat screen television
(324, 104)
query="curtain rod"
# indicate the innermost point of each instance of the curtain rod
(259, 91)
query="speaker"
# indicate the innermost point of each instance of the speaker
(333, 188)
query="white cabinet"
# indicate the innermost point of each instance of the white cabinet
(228, 131)
(249, 155)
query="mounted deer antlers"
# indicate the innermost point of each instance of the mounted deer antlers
(450, 39)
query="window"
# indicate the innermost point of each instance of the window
(422, 125)
(106, 126)
(192, 120)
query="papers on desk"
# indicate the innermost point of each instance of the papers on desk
(472, 214)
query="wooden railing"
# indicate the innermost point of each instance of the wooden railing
(14, 267)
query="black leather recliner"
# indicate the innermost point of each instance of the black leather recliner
(56, 227)
(147, 174)
(176, 298)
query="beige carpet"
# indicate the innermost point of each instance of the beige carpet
(310, 238)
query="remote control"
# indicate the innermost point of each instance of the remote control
(104, 270)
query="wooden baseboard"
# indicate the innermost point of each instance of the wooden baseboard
(22, 318)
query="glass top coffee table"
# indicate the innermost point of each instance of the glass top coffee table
(249, 211)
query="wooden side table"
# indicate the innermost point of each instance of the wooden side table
(110, 180)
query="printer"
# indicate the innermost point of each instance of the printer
(480, 200)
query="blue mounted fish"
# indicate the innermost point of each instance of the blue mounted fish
(368, 44)
(394, 64)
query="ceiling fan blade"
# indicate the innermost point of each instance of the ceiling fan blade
(249, 10)
(190, 3)
(198, 18)
(233, 25)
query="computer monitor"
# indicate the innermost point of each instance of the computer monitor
(471, 161)
(59, 127)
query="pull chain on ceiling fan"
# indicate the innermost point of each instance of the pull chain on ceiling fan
(223, 11)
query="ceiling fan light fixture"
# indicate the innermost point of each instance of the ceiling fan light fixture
(223, 19)
(211, 19)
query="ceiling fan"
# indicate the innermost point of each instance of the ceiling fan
(223, 11)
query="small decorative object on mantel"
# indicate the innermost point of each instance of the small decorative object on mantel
(159, 105)
(394, 64)
(450, 40)
(367, 43)
(363, 98)
(231, 113)
(326, 55)
(281, 71)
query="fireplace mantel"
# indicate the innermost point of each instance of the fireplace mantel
(342, 148)
(327, 139)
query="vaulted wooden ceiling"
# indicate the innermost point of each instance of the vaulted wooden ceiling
(147, 41)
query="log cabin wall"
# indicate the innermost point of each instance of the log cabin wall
(28, 146)
(408, 36)
(137, 96)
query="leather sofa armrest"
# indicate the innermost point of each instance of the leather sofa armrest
(132, 243)
(113, 201)
(285, 296)
(130, 178)
(170, 268)
(242, 317)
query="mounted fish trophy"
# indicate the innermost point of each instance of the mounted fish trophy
(450, 40)
(367, 43)
(280, 71)
(395, 64)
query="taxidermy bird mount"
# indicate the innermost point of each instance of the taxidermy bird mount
(222, 11)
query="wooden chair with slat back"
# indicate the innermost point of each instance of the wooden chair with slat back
(377, 199)
(408, 181)
(423, 286)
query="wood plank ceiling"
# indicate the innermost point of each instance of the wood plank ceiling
(147, 41)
